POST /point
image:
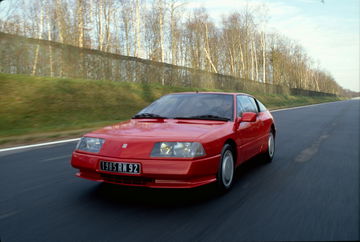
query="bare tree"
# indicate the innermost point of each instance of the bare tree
(49, 24)
(137, 32)
(207, 48)
(175, 8)
(40, 33)
(80, 5)
(60, 15)
(126, 16)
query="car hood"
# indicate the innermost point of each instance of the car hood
(135, 138)
(159, 128)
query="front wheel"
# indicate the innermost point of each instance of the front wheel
(269, 155)
(225, 176)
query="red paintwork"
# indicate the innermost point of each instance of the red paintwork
(141, 134)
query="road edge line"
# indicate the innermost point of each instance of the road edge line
(304, 106)
(39, 145)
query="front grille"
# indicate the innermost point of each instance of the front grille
(135, 180)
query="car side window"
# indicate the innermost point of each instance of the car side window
(261, 106)
(244, 104)
(239, 108)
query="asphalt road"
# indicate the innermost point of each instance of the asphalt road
(309, 192)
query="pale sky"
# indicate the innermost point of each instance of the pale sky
(329, 31)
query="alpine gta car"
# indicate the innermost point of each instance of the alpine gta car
(182, 140)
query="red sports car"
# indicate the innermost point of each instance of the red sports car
(181, 140)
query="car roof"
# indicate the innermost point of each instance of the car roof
(228, 93)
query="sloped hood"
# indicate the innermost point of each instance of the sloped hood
(187, 129)
(136, 138)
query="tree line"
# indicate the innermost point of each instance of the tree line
(168, 31)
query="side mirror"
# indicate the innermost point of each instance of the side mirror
(248, 117)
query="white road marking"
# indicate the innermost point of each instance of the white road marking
(305, 106)
(39, 145)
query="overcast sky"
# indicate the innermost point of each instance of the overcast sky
(329, 31)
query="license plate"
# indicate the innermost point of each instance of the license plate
(120, 167)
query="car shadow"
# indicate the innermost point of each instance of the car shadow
(245, 170)
(149, 197)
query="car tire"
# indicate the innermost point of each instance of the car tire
(226, 170)
(270, 152)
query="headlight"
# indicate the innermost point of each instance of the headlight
(90, 144)
(177, 149)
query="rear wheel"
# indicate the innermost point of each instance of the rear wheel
(225, 176)
(269, 155)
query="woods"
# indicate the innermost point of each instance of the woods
(237, 45)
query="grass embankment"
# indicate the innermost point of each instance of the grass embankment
(44, 108)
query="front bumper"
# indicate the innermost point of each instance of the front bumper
(155, 173)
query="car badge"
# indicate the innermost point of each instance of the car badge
(124, 146)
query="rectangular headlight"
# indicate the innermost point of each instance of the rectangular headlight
(90, 144)
(178, 149)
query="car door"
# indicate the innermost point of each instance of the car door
(267, 121)
(248, 133)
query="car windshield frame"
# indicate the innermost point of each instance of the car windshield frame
(197, 106)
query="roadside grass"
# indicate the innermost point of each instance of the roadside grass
(35, 108)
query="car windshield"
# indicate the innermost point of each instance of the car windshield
(191, 106)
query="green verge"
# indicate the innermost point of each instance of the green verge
(42, 108)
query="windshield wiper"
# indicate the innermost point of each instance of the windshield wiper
(205, 117)
(148, 115)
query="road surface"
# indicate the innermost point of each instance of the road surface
(309, 192)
